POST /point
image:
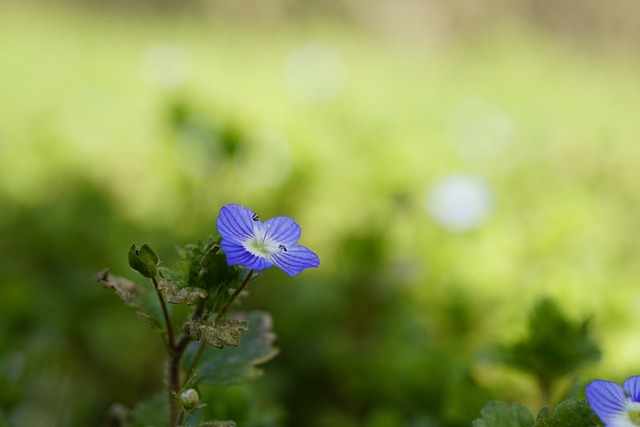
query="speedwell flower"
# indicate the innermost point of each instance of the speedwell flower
(258, 245)
(615, 405)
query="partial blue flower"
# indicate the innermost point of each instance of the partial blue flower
(257, 245)
(616, 406)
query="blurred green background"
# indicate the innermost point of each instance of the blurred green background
(451, 163)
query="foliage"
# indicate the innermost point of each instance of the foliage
(224, 350)
(499, 414)
(554, 346)
(570, 413)
(236, 364)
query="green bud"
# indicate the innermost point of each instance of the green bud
(189, 399)
(143, 260)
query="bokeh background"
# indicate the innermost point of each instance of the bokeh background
(452, 162)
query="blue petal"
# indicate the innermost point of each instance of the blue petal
(283, 230)
(295, 259)
(237, 255)
(632, 387)
(236, 223)
(607, 400)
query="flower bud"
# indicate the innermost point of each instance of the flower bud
(143, 260)
(189, 398)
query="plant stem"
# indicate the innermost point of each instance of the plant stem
(244, 284)
(165, 313)
(225, 308)
(176, 351)
(545, 391)
(196, 360)
(174, 359)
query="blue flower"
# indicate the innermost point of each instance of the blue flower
(615, 405)
(258, 245)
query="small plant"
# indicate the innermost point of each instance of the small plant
(211, 346)
(570, 413)
(554, 348)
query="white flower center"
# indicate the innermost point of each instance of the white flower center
(261, 246)
(633, 413)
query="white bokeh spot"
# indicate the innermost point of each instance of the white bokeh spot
(460, 202)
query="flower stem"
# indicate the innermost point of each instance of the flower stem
(174, 359)
(225, 308)
(196, 360)
(244, 284)
(165, 313)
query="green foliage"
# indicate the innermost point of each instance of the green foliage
(236, 364)
(144, 260)
(201, 265)
(500, 414)
(215, 138)
(71, 154)
(554, 346)
(570, 413)
(153, 412)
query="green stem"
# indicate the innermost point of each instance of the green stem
(174, 359)
(244, 284)
(196, 360)
(165, 313)
(223, 311)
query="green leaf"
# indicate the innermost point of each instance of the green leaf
(237, 364)
(554, 346)
(143, 260)
(176, 295)
(225, 333)
(202, 265)
(501, 414)
(153, 412)
(570, 413)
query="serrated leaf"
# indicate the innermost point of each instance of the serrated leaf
(176, 295)
(144, 260)
(237, 364)
(501, 414)
(127, 290)
(570, 413)
(202, 266)
(225, 333)
(134, 296)
(153, 412)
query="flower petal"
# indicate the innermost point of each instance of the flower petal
(282, 229)
(295, 259)
(607, 400)
(237, 255)
(236, 223)
(632, 388)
